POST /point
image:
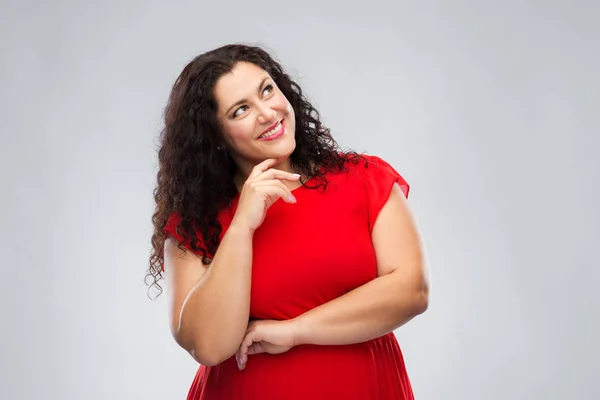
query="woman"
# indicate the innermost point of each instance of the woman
(287, 262)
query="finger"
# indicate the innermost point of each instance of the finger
(276, 183)
(242, 356)
(262, 167)
(246, 343)
(273, 173)
(256, 348)
(238, 358)
(276, 192)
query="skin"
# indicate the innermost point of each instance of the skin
(209, 305)
(262, 105)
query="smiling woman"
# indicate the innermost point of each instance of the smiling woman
(287, 262)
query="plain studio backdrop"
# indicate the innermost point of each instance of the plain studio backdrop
(488, 109)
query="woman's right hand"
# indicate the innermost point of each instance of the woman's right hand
(262, 188)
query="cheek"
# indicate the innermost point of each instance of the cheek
(287, 106)
(238, 131)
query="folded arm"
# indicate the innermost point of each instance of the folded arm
(398, 294)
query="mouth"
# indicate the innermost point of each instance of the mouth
(274, 131)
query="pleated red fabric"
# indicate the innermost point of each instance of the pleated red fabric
(306, 254)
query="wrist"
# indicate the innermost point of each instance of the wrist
(238, 227)
(298, 331)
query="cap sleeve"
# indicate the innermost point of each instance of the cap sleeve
(380, 178)
(171, 230)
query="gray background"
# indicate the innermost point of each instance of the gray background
(489, 110)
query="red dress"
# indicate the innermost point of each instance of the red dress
(306, 254)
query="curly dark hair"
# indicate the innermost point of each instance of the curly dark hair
(196, 173)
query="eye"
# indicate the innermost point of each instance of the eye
(239, 111)
(268, 89)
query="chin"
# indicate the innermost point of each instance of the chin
(283, 152)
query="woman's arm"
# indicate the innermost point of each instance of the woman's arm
(398, 294)
(209, 306)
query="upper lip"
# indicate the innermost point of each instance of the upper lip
(271, 127)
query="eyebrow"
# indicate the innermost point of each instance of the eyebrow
(239, 102)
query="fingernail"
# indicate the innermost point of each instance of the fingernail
(292, 199)
(297, 175)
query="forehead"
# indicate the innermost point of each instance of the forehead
(242, 82)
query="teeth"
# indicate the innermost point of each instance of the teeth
(272, 131)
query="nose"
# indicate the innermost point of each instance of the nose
(266, 114)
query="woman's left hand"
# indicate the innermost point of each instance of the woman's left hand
(266, 336)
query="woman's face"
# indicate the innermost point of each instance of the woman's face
(257, 120)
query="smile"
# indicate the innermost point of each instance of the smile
(275, 132)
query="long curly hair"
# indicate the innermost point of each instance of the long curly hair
(196, 173)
